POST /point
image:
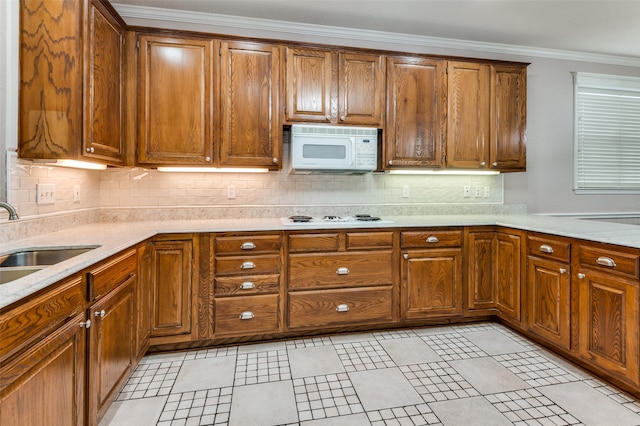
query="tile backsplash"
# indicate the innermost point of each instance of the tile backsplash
(138, 188)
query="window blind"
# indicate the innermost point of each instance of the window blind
(607, 133)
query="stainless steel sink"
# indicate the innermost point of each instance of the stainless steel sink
(41, 257)
(10, 274)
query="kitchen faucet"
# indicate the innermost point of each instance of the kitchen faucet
(13, 215)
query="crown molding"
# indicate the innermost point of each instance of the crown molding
(236, 25)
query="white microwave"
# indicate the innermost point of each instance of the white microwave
(333, 149)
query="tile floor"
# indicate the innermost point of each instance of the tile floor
(475, 374)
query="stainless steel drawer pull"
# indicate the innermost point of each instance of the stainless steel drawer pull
(248, 246)
(606, 261)
(342, 271)
(432, 239)
(247, 285)
(342, 308)
(247, 265)
(546, 248)
(246, 315)
(100, 314)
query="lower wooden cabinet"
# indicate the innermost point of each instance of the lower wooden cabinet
(45, 384)
(508, 275)
(143, 298)
(247, 315)
(482, 270)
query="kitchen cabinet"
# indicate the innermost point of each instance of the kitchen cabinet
(508, 281)
(247, 284)
(171, 308)
(250, 120)
(175, 92)
(143, 300)
(71, 98)
(340, 278)
(608, 280)
(43, 357)
(334, 87)
(549, 288)
(431, 282)
(482, 269)
(486, 116)
(415, 128)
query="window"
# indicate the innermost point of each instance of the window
(606, 134)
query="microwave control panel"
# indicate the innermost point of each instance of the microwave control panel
(366, 153)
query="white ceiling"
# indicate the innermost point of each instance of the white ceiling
(610, 27)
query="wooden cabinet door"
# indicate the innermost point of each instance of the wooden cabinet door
(416, 112)
(143, 300)
(361, 89)
(175, 93)
(171, 307)
(508, 117)
(111, 348)
(104, 109)
(508, 275)
(548, 300)
(251, 130)
(482, 272)
(310, 85)
(46, 384)
(468, 118)
(431, 283)
(609, 322)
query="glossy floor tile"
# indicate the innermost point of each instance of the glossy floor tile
(475, 374)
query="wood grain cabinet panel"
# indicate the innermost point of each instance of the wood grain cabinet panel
(482, 269)
(247, 315)
(174, 100)
(361, 88)
(310, 85)
(415, 128)
(508, 275)
(250, 119)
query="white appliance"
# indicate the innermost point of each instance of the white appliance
(333, 149)
(359, 219)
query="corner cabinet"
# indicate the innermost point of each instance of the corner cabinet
(71, 102)
(415, 128)
(175, 84)
(250, 119)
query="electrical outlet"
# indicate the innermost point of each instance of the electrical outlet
(231, 192)
(76, 192)
(487, 192)
(45, 193)
(405, 191)
(478, 191)
(466, 191)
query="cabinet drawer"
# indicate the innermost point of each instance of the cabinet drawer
(248, 265)
(340, 269)
(246, 285)
(431, 239)
(369, 240)
(247, 244)
(246, 315)
(611, 261)
(336, 307)
(26, 323)
(112, 273)
(542, 246)
(314, 242)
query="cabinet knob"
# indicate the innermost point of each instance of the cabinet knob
(545, 248)
(432, 239)
(247, 265)
(406, 256)
(91, 150)
(494, 164)
(246, 315)
(342, 118)
(342, 271)
(328, 117)
(581, 275)
(86, 324)
(247, 285)
(483, 164)
(275, 160)
(207, 158)
(100, 314)
(391, 162)
(343, 307)
(563, 271)
(606, 261)
(249, 245)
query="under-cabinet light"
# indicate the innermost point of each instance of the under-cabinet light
(75, 164)
(213, 169)
(442, 172)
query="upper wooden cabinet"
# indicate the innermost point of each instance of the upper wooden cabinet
(487, 116)
(71, 98)
(175, 100)
(250, 121)
(334, 87)
(416, 112)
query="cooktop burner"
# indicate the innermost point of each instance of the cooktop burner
(328, 219)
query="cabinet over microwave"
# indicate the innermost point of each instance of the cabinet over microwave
(333, 149)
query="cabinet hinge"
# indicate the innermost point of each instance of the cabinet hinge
(220, 51)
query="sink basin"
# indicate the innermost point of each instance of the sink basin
(10, 274)
(41, 257)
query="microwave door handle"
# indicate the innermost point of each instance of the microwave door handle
(352, 153)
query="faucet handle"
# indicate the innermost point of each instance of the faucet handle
(13, 215)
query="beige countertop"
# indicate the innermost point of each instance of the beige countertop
(115, 237)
